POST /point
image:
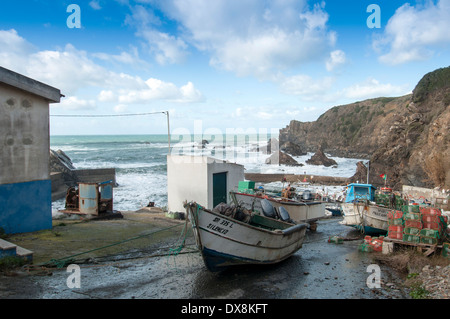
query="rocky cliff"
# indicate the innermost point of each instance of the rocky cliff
(407, 138)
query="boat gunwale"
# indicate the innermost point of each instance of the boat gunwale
(279, 201)
(280, 232)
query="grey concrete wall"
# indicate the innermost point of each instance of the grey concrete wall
(24, 136)
(96, 175)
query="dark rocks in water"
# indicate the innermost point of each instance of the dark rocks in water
(320, 159)
(292, 149)
(272, 146)
(203, 144)
(281, 158)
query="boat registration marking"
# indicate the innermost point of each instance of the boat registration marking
(220, 225)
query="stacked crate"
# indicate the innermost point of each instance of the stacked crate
(434, 225)
(395, 221)
(413, 224)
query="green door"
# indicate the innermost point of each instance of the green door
(219, 188)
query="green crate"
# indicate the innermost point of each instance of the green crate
(246, 185)
(411, 231)
(411, 216)
(427, 232)
(411, 238)
(366, 248)
(446, 250)
(414, 209)
(429, 240)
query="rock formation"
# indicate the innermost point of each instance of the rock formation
(282, 159)
(272, 146)
(319, 158)
(292, 149)
(360, 175)
(407, 137)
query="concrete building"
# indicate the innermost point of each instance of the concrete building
(202, 179)
(25, 186)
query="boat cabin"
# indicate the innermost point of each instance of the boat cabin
(357, 191)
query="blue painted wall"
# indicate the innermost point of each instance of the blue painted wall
(26, 207)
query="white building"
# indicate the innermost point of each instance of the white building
(25, 186)
(202, 179)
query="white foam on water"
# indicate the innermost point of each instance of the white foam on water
(141, 166)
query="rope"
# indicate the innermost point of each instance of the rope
(60, 263)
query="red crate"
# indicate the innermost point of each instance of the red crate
(395, 214)
(431, 211)
(413, 224)
(395, 235)
(431, 218)
(395, 228)
(432, 225)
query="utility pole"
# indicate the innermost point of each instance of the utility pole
(168, 129)
(368, 167)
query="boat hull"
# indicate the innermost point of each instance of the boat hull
(225, 242)
(334, 211)
(300, 212)
(370, 219)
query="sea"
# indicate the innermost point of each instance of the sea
(141, 161)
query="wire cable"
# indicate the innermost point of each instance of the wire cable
(110, 115)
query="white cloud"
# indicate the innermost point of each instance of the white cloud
(414, 33)
(94, 4)
(74, 103)
(166, 48)
(306, 87)
(252, 37)
(158, 90)
(72, 70)
(337, 58)
(372, 88)
(120, 108)
(128, 58)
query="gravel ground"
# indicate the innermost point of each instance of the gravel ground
(436, 280)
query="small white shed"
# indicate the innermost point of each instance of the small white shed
(202, 179)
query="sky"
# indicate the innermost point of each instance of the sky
(218, 65)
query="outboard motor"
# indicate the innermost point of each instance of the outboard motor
(268, 209)
(284, 214)
(307, 195)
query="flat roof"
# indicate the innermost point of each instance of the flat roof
(27, 84)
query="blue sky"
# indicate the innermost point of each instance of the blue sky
(219, 64)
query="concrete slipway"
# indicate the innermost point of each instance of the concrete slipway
(146, 268)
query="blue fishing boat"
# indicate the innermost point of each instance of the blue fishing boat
(361, 212)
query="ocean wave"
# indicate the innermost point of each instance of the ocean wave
(141, 162)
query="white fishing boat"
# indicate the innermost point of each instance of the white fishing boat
(361, 212)
(300, 211)
(225, 241)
